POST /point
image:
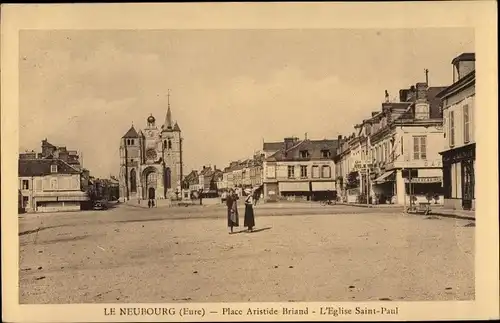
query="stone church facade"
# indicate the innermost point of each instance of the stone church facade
(151, 161)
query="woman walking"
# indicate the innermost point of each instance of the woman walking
(232, 211)
(249, 216)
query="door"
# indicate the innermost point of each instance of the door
(467, 184)
(151, 193)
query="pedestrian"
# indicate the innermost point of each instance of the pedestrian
(256, 196)
(149, 203)
(232, 211)
(249, 221)
(201, 198)
(153, 203)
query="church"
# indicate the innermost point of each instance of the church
(151, 161)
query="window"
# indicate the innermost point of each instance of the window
(303, 171)
(325, 153)
(451, 130)
(304, 154)
(26, 185)
(132, 141)
(315, 171)
(169, 144)
(466, 124)
(53, 184)
(291, 171)
(53, 168)
(325, 172)
(419, 147)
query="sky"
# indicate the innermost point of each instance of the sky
(230, 89)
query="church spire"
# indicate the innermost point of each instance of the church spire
(168, 118)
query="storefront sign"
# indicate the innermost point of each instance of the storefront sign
(425, 180)
(294, 187)
(323, 186)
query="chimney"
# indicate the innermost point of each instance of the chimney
(403, 95)
(289, 142)
(422, 91)
(339, 138)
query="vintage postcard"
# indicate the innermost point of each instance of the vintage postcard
(249, 162)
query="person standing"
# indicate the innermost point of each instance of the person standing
(249, 215)
(232, 211)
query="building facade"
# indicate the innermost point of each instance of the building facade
(401, 162)
(301, 169)
(50, 185)
(459, 153)
(151, 161)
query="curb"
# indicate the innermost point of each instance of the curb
(455, 216)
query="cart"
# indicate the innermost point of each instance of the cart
(421, 208)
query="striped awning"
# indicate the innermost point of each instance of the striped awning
(384, 177)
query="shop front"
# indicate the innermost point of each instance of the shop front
(295, 190)
(459, 177)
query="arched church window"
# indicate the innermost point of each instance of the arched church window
(133, 181)
(169, 144)
(164, 144)
(168, 180)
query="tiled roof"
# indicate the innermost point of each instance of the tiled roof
(176, 127)
(471, 77)
(314, 147)
(41, 167)
(131, 133)
(272, 146)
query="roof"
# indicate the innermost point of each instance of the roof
(272, 146)
(464, 57)
(176, 127)
(41, 167)
(131, 133)
(314, 147)
(463, 82)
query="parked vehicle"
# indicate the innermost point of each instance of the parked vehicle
(100, 205)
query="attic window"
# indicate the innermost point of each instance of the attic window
(304, 154)
(325, 153)
(53, 168)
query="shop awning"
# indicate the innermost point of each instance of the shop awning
(323, 186)
(294, 186)
(424, 180)
(384, 177)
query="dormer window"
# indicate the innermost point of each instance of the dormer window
(304, 154)
(325, 153)
(53, 168)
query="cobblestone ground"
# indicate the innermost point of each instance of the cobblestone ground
(298, 253)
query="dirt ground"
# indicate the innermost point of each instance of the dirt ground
(337, 253)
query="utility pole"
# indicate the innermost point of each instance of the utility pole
(426, 77)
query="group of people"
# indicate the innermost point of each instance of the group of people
(232, 210)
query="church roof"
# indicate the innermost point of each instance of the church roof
(131, 133)
(176, 127)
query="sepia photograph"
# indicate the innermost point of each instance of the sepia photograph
(194, 166)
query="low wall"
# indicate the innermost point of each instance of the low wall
(456, 204)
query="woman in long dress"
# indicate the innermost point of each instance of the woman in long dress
(232, 211)
(249, 216)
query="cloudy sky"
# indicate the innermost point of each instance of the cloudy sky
(230, 89)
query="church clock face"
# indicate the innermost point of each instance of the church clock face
(151, 154)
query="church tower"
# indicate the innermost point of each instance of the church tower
(130, 160)
(172, 152)
(151, 160)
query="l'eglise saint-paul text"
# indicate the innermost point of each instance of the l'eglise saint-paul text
(266, 311)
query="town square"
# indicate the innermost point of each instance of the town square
(298, 252)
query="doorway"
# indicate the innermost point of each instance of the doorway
(151, 193)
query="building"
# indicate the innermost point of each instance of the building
(50, 151)
(344, 170)
(192, 182)
(459, 154)
(399, 149)
(151, 160)
(301, 169)
(50, 185)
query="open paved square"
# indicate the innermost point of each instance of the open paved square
(299, 253)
